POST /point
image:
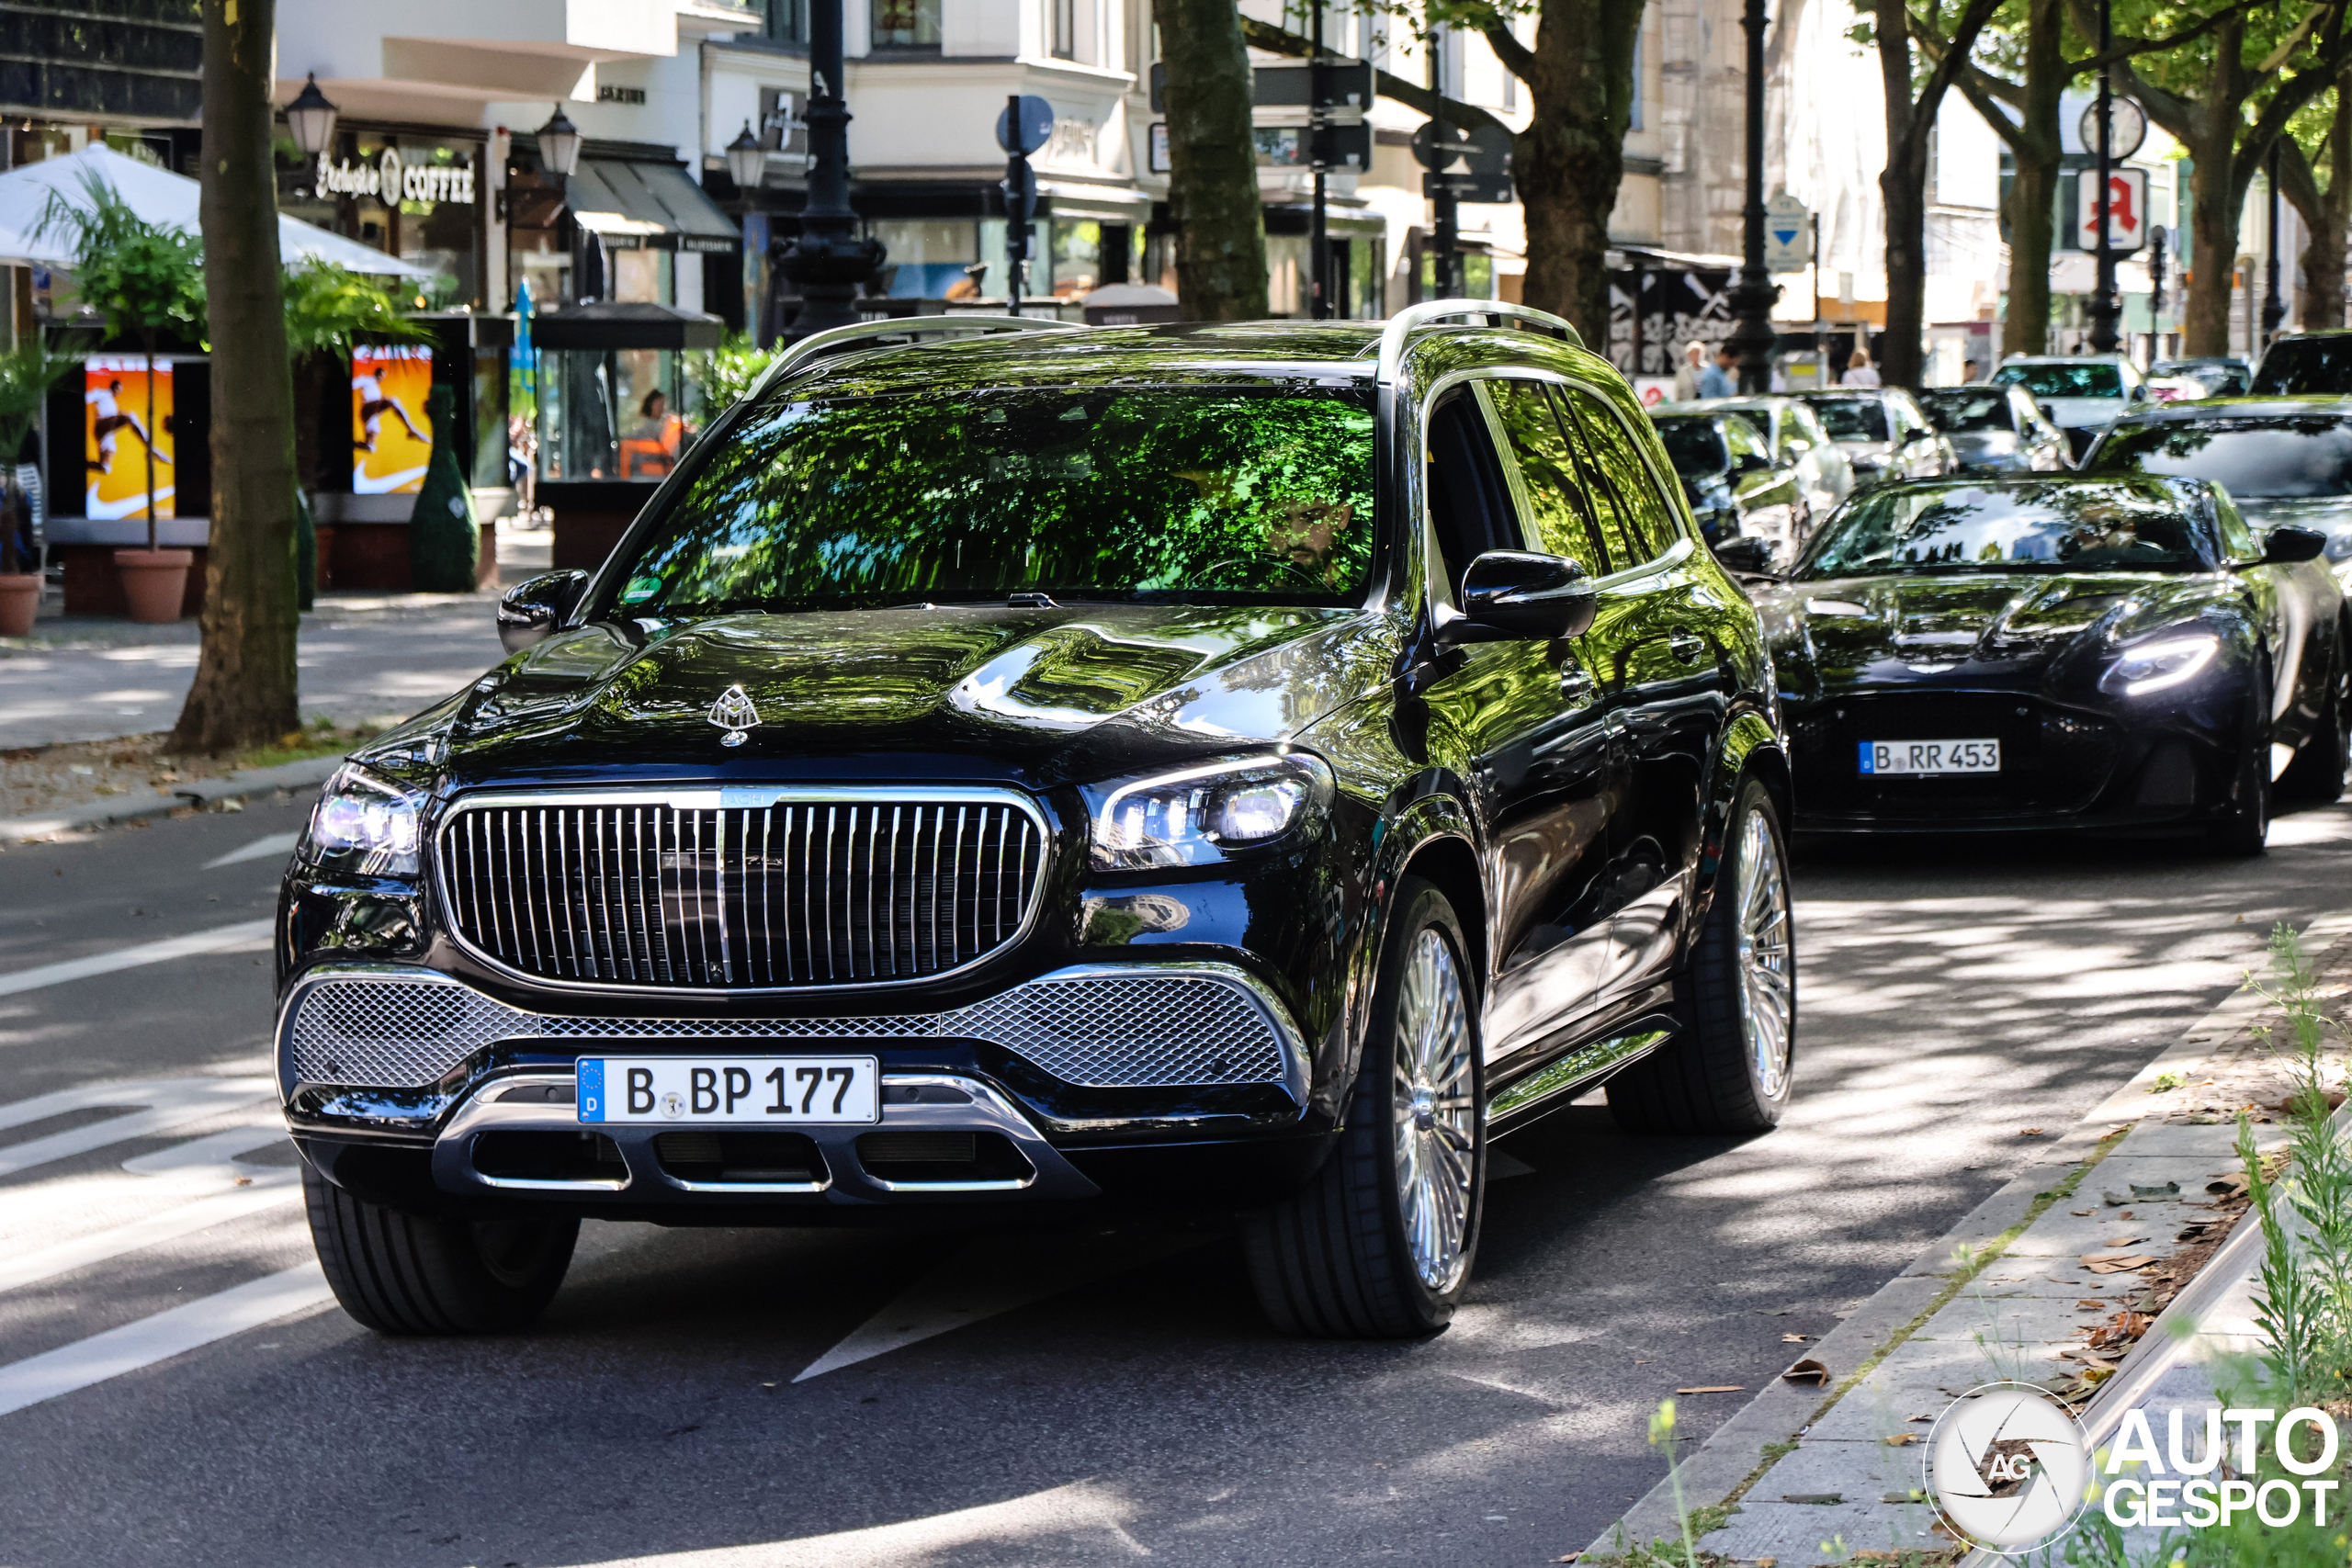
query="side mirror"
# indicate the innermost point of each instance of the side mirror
(2287, 544)
(529, 610)
(1518, 597)
(1747, 554)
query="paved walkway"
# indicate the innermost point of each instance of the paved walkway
(362, 656)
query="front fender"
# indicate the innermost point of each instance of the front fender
(1750, 744)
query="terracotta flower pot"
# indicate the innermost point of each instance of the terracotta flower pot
(19, 597)
(154, 582)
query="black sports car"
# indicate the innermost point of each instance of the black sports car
(2042, 653)
(1736, 490)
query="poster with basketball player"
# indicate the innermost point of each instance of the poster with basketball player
(120, 429)
(392, 434)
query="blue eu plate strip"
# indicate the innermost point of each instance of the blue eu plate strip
(1868, 759)
(592, 1089)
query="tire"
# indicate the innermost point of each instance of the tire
(2316, 775)
(1731, 1066)
(2245, 829)
(403, 1274)
(1365, 1250)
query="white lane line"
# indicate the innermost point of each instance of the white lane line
(220, 939)
(267, 844)
(1066, 1516)
(267, 1191)
(168, 1103)
(162, 1336)
(991, 1277)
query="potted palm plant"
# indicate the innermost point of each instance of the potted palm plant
(145, 281)
(26, 375)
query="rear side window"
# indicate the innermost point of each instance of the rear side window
(1633, 519)
(1558, 507)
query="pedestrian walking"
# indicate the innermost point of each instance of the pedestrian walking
(1858, 372)
(1717, 380)
(1687, 375)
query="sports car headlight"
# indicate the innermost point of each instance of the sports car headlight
(1197, 815)
(365, 827)
(2165, 662)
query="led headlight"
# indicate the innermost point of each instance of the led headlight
(1197, 815)
(367, 826)
(2164, 661)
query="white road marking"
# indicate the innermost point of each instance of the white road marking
(158, 1339)
(991, 1277)
(244, 934)
(267, 1191)
(167, 1102)
(267, 844)
(1067, 1515)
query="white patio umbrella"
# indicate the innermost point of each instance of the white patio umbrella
(158, 196)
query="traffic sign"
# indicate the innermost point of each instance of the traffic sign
(1787, 235)
(1036, 129)
(2127, 210)
(1470, 186)
(1438, 146)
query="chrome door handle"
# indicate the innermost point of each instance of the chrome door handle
(1686, 646)
(1575, 682)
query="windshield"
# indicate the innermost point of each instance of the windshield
(2303, 456)
(2299, 365)
(2089, 379)
(1852, 419)
(1217, 494)
(2060, 526)
(1960, 412)
(1693, 447)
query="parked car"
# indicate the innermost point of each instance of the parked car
(2282, 461)
(2113, 654)
(1796, 434)
(1885, 433)
(2304, 364)
(2217, 377)
(2078, 394)
(1232, 767)
(1995, 430)
(1736, 487)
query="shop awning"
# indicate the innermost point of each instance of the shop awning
(618, 323)
(160, 197)
(656, 206)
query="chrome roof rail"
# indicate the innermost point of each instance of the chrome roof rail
(833, 339)
(1406, 321)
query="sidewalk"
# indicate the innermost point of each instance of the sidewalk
(362, 657)
(1809, 1474)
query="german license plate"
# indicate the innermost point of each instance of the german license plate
(737, 1091)
(1931, 756)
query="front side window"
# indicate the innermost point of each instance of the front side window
(1646, 528)
(2297, 365)
(2068, 527)
(1961, 411)
(1556, 499)
(1693, 447)
(2089, 379)
(1209, 494)
(1742, 442)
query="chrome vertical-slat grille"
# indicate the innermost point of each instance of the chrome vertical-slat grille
(691, 891)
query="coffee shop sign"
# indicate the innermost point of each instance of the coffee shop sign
(390, 181)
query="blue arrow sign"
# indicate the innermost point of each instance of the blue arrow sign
(1786, 236)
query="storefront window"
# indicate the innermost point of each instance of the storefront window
(615, 413)
(415, 198)
(905, 24)
(1076, 253)
(928, 256)
(642, 274)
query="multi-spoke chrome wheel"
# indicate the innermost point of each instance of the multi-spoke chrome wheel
(1766, 1002)
(1435, 1133)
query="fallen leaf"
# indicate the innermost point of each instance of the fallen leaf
(2082, 1213)
(1807, 1370)
(1927, 1418)
(2124, 1215)
(2028, 1132)
(1795, 1339)
(245, 1181)
(1819, 1498)
(2115, 1262)
(2089, 1303)
(2123, 1240)
(1901, 1439)
(1774, 1312)
(1716, 1388)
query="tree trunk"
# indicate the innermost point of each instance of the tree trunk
(1213, 163)
(245, 691)
(2212, 246)
(2034, 193)
(1901, 188)
(2319, 293)
(1570, 159)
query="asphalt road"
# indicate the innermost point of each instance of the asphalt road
(176, 1387)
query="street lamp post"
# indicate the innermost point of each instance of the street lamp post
(2106, 311)
(1753, 295)
(2274, 305)
(829, 259)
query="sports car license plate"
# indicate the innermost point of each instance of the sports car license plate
(761, 1091)
(1931, 756)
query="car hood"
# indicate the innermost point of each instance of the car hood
(1036, 693)
(2000, 625)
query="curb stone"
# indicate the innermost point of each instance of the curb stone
(197, 792)
(1732, 1458)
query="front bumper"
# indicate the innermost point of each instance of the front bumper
(416, 1087)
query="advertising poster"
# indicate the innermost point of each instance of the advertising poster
(391, 436)
(116, 435)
